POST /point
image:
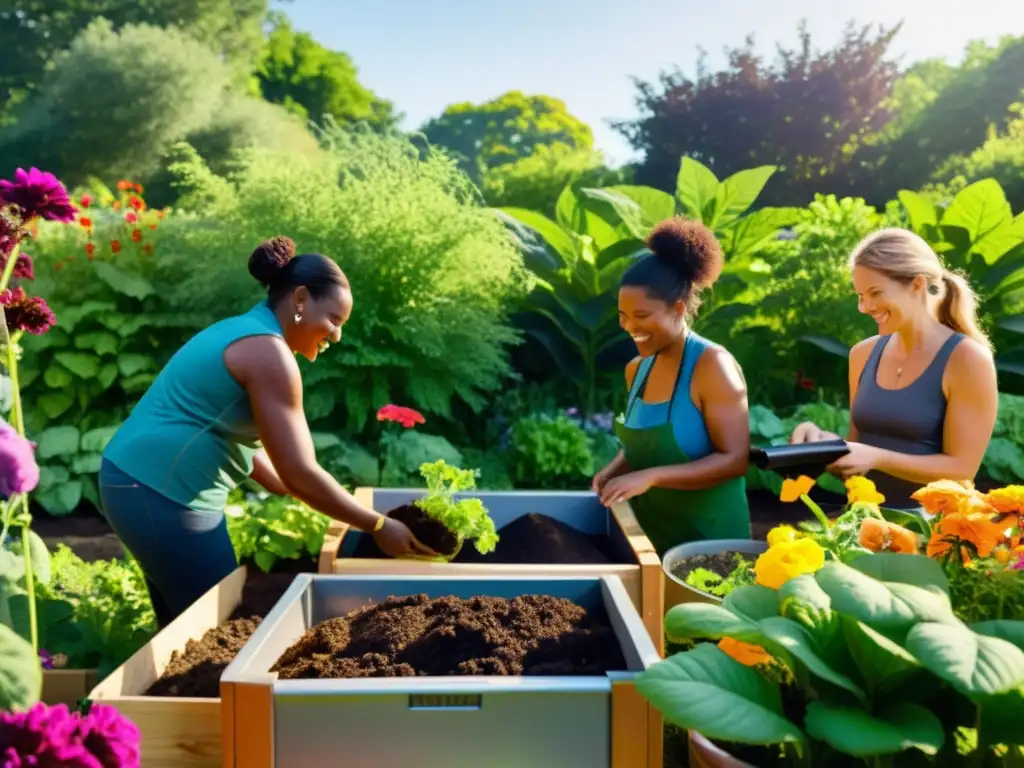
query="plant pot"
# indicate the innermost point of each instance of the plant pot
(705, 754)
(678, 591)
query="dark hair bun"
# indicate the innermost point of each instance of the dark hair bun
(690, 247)
(270, 257)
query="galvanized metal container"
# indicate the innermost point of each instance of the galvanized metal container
(678, 591)
(638, 564)
(442, 722)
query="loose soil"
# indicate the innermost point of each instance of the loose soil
(195, 671)
(720, 563)
(536, 538)
(532, 538)
(428, 531)
(418, 636)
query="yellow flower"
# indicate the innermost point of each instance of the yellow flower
(745, 653)
(1006, 500)
(794, 489)
(861, 489)
(780, 534)
(787, 560)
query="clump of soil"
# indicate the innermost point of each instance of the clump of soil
(418, 636)
(429, 531)
(720, 563)
(195, 671)
(536, 538)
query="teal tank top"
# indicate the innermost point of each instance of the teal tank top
(688, 424)
(192, 436)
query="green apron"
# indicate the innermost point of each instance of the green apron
(670, 517)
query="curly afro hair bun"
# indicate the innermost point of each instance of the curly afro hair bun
(270, 257)
(690, 247)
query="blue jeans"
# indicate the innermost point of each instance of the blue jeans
(183, 553)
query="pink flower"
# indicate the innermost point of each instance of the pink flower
(54, 737)
(37, 193)
(22, 267)
(19, 472)
(26, 313)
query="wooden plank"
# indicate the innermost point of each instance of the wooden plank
(629, 712)
(67, 686)
(254, 723)
(332, 543)
(227, 725)
(176, 732)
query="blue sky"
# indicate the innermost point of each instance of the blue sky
(426, 54)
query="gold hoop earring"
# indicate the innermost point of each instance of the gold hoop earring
(298, 318)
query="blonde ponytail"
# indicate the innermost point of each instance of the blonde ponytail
(959, 308)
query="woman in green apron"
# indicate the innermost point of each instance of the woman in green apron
(685, 433)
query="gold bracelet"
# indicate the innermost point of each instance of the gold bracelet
(379, 524)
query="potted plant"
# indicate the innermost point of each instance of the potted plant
(706, 571)
(851, 648)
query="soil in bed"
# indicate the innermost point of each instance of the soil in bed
(418, 636)
(532, 538)
(195, 671)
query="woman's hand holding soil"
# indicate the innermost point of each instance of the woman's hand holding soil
(396, 540)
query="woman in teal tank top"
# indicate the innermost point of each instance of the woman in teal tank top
(685, 433)
(227, 406)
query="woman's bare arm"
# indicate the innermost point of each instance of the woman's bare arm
(263, 472)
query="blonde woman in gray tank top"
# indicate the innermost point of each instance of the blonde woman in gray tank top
(923, 392)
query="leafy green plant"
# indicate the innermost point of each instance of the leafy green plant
(551, 451)
(69, 463)
(1004, 456)
(865, 661)
(467, 518)
(266, 529)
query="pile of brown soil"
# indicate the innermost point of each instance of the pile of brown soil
(195, 672)
(532, 538)
(417, 636)
(536, 538)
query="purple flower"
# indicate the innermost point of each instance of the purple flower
(46, 658)
(19, 472)
(23, 267)
(38, 193)
(10, 233)
(55, 737)
(26, 313)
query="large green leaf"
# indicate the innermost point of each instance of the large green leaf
(1001, 240)
(84, 366)
(800, 644)
(61, 499)
(615, 207)
(737, 193)
(882, 663)
(123, 281)
(919, 570)
(745, 236)
(696, 189)
(57, 376)
(553, 235)
(100, 342)
(107, 375)
(920, 209)
(1012, 631)
(854, 731)
(973, 664)
(979, 208)
(655, 205)
(707, 691)
(886, 606)
(132, 364)
(54, 404)
(71, 315)
(58, 441)
(21, 675)
(624, 251)
(705, 620)
(752, 603)
(95, 440)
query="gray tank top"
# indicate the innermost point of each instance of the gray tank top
(908, 420)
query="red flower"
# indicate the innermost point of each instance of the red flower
(407, 417)
(85, 201)
(124, 185)
(152, 226)
(131, 217)
(136, 203)
(115, 246)
(90, 249)
(138, 188)
(86, 222)
(26, 313)
(136, 236)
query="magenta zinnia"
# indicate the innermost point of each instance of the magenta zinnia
(26, 313)
(19, 472)
(37, 193)
(22, 267)
(54, 736)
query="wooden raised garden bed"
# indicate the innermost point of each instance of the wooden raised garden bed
(67, 686)
(387, 670)
(543, 533)
(170, 688)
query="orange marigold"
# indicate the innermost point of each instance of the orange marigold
(792, 489)
(944, 496)
(745, 653)
(883, 536)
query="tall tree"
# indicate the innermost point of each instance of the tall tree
(506, 129)
(298, 73)
(33, 32)
(806, 113)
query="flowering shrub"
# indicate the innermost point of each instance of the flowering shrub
(55, 736)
